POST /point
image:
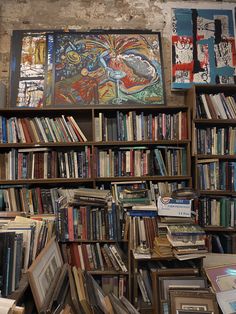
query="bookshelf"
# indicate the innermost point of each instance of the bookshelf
(155, 139)
(214, 161)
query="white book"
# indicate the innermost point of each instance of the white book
(204, 101)
(40, 126)
(81, 257)
(117, 257)
(220, 106)
(100, 256)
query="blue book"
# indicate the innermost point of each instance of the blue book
(4, 130)
(142, 213)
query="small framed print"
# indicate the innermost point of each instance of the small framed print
(166, 283)
(192, 302)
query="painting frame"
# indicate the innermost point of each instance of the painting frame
(42, 272)
(105, 67)
(200, 302)
(203, 46)
(227, 301)
(166, 283)
(222, 277)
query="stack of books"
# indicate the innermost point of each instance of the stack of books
(187, 240)
(162, 247)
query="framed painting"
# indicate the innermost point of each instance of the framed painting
(227, 301)
(96, 68)
(203, 47)
(223, 277)
(192, 302)
(43, 271)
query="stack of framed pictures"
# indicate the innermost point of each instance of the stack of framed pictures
(182, 290)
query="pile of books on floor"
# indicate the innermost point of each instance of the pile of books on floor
(187, 241)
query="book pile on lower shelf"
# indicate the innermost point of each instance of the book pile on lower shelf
(96, 257)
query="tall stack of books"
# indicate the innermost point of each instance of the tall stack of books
(187, 240)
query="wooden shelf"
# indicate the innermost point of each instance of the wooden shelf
(215, 121)
(217, 192)
(48, 181)
(107, 272)
(5, 214)
(219, 229)
(37, 145)
(156, 178)
(200, 156)
(142, 143)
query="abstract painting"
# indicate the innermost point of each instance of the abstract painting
(203, 47)
(73, 69)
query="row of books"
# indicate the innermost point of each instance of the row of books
(216, 141)
(134, 126)
(40, 130)
(29, 200)
(22, 240)
(88, 223)
(142, 229)
(98, 257)
(42, 163)
(136, 161)
(217, 212)
(216, 175)
(224, 243)
(216, 106)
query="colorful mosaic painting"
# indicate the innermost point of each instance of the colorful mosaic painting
(89, 69)
(203, 47)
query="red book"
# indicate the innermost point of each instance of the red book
(26, 131)
(74, 253)
(184, 126)
(70, 223)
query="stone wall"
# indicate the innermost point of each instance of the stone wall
(84, 15)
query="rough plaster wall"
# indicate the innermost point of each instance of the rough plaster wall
(85, 15)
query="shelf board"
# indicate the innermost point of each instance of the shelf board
(217, 192)
(93, 241)
(215, 121)
(37, 145)
(215, 156)
(156, 178)
(59, 181)
(143, 142)
(107, 272)
(11, 214)
(219, 229)
(96, 107)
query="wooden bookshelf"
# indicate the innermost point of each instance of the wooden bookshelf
(214, 156)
